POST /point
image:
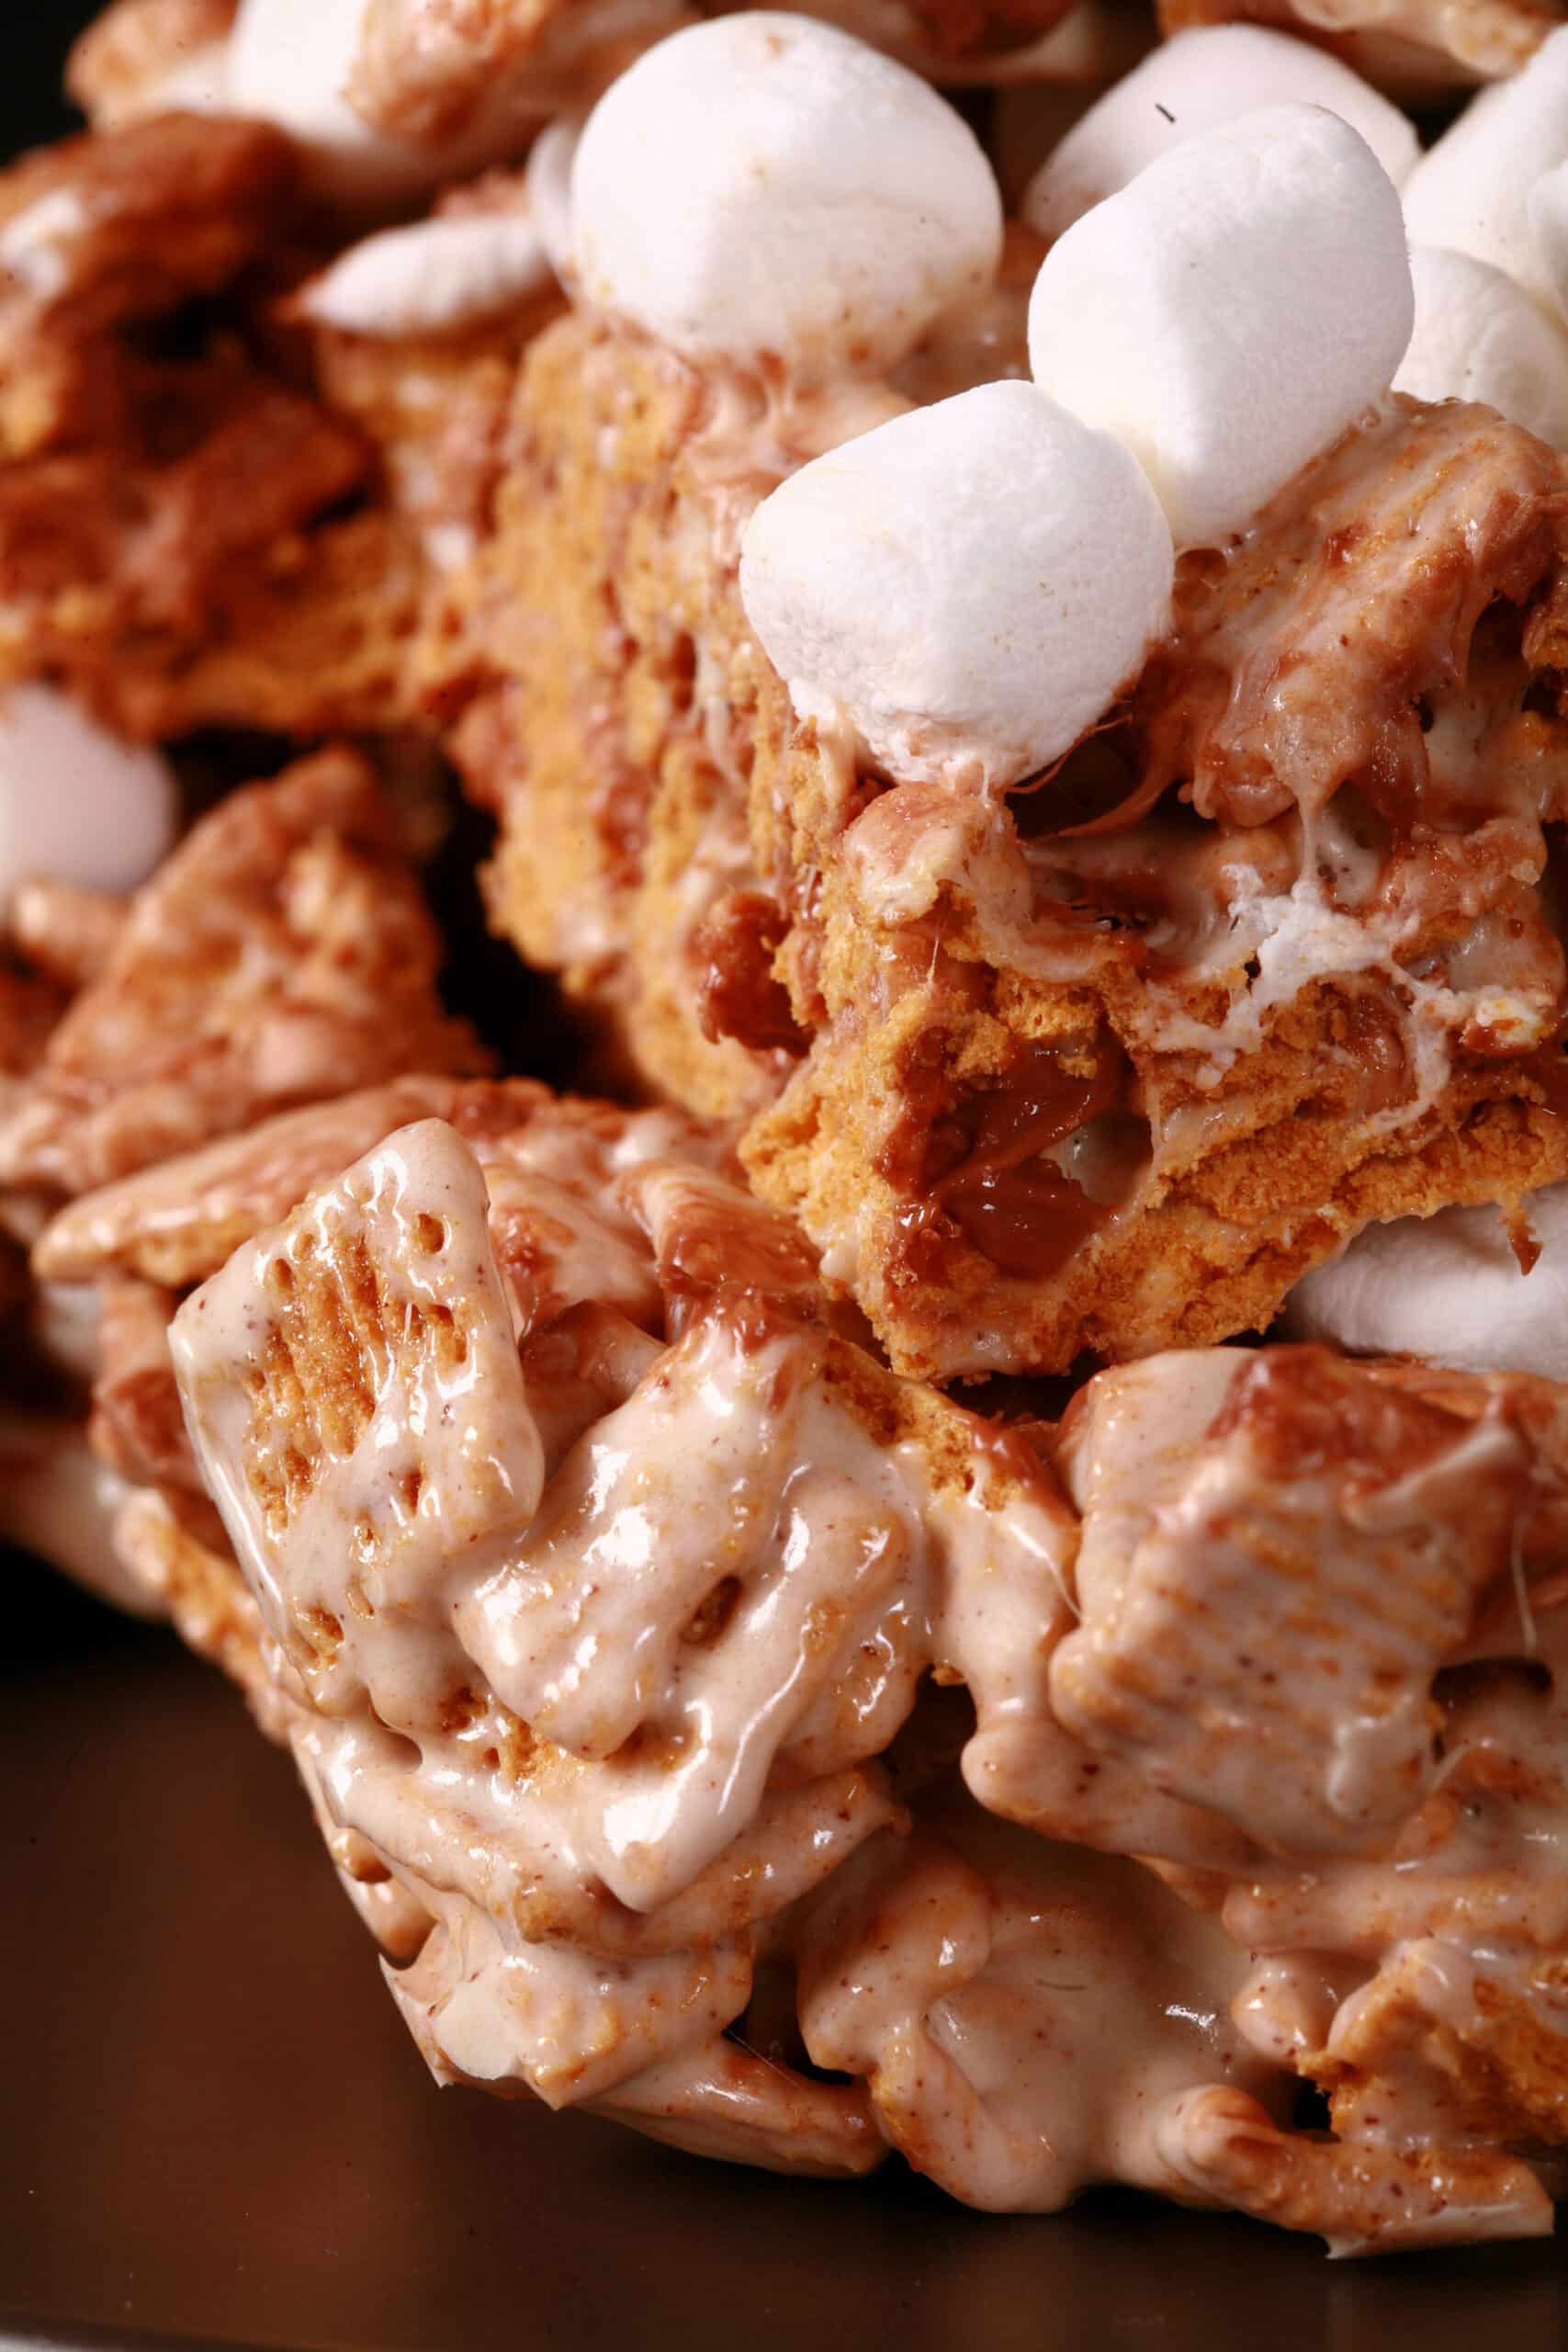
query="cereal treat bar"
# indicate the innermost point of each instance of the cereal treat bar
(1101, 900)
(279, 951)
(759, 1744)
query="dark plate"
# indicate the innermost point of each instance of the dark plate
(217, 2130)
(213, 2128)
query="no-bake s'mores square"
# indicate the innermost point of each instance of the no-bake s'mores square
(1096, 830)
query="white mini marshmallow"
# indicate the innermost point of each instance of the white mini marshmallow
(1449, 1288)
(549, 183)
(766, 184)
(1231, 311)
(291, 62)
(75, 803)
(1195, 81)
(1472, 191)
(431, 278)
(1548, 209)
(197, 85)
(1479, 337)
(979, 578)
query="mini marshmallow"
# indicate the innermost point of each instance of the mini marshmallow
(1548, 210)
(1231, 311)
(1195, 81)
(77, 805)
(977, 579)
(765, 184)
(547, 179)
(1472, 191)
(1479, 337)
(432, 277)
(1449, 1288)
(291, 62)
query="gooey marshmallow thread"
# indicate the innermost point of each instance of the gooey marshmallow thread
(980, 577)
(1231, 311)
(763, 183)
(1196, 82)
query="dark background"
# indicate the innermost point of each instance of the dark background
(214, 2130)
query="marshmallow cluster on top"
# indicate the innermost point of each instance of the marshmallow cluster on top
(980, 579)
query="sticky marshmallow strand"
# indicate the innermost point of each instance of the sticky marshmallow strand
(1231, 311)
(291, 62)
(1199, 80)
(1472, 191)
(1480, 337)
(765, 184)
(76, 804)
(979, 578)
(434, 277)
(1449, 1288)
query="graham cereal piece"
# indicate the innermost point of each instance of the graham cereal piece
(315, 1370)
(431, 71)
(115, 227)
(173, 1546)
(137, 1425)
(1262, 1630)
(176, 1223)
(120, 65)
(281, 952)
(174, 527)
(1106, 1063)
(1420, 48)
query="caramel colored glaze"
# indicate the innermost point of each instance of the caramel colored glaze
(740, 995)
(981, 1162)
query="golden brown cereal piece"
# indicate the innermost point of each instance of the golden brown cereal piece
(114, 227)
(281, 952)
(1421, 49)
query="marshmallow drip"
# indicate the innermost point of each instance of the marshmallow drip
(978, 578)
